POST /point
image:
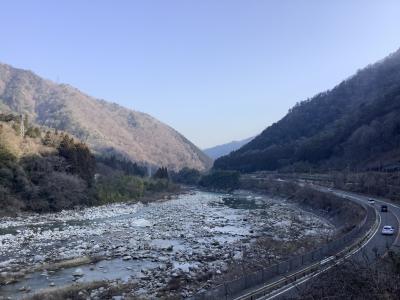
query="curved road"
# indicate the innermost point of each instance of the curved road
(376, 247)
(379, 244)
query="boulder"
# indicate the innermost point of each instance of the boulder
(38, 258)
(78, 273)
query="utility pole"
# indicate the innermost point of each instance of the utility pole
(21, 126)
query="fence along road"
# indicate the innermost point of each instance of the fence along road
(281, 279)
(374, 246)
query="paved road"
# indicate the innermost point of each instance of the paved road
(392, 217)
(377, 246)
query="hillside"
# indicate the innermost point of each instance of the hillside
(42, 171)
(46, 170)
(224, 149)
(105, 126)
(354, 125)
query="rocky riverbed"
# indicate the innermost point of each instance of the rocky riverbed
(174, 247)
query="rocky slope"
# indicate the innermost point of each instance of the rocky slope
(105, 126)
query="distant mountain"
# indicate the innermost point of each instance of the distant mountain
(354, 125)
(105, 126)
(224, 149)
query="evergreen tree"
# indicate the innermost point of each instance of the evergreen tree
(162, 173)
(47, 139)
(79, 158)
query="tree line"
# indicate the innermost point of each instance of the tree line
(61, 172)
(354, 125)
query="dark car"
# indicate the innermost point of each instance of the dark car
(384, 208)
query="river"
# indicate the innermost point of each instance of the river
(190, 235)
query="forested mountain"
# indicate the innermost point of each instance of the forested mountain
(42, 171)
(105, 126)
(224, 149)
(354, 125)
(49, 170)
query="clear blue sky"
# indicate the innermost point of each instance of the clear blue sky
(214, 70)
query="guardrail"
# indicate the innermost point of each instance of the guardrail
(294, 267)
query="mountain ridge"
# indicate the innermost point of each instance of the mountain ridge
(105, 126)
(224, 149)
(355, 124)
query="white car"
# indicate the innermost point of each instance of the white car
(371, 201)
(387, 230)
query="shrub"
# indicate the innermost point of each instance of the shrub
(6, 157)
(156, 185)
(187, 176)
(119, 188)
(60, 191)
(8, 203)
(224, 180)
(33, 132)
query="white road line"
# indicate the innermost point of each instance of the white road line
(308, 277)
(326, 260)
(357, 198)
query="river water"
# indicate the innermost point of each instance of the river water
(191, 234)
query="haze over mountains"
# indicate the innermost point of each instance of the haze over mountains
(354, 125)
(105, 126)
(224, 149)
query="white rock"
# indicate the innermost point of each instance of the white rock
(238, 255)
(38, 258)
(78, 273)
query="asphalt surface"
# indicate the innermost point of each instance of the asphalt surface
(373, 249)
(379, 244)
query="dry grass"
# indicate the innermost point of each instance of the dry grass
(21, 147)
(357, 281)
(70, 263)
(82, 291)
(70, 292)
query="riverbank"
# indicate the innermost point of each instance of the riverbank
(12, 270)
(168, 247)
(343, 214)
